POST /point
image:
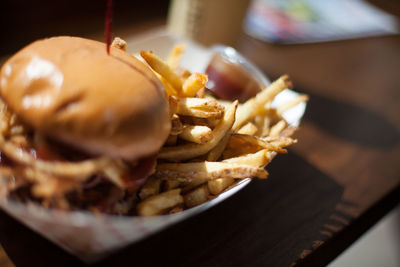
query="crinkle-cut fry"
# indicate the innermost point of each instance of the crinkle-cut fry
(249, 128)
(73, 170)
(119, 43)
(292, 103)
(196, 133)
(193, 84)
(162, 68)
(157, 204)
(250, 108)
(188, 151)
(176, 125)
(150, 188)
(208, 170)
(249, 139)
(199, 107)
(216, 152)
(197, 196)
(258, 159)
(277, 128)
(175, 56)
(218, 185)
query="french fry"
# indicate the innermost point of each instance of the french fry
(193, 84)
(188, 151)
(150, 188)
(169, 184)
(249, 129)
(199, 107)
(176, 55)
(216, 152)
(207, 170)
(196, 133)
(173, 105)
(168, 87)
(197, 196)
(292, 103)
(249, 109)
(162, 68)
(114, 172)
(280, 141)
(156, 204)
(188, 186)
(218, 185)
(201, 93)
(194, 120)
(266, 127)
(119, 43)
(184, 73)
(176, 125)
(288, 132)
(277, 128)
(258, 159)
(243, 139)
(212, 122)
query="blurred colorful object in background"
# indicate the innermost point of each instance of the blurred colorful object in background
(304, 21)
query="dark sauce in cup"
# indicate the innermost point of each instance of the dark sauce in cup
(230, 81)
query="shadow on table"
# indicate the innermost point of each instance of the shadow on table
(351, 122)
(269, 221)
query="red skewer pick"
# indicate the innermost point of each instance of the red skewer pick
(108, 25)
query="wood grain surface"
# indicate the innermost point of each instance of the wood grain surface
(341, 177)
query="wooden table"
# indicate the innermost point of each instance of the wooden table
(342, 176)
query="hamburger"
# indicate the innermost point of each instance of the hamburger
(67, 105)
(81, 129)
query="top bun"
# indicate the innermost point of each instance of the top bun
(70, 89)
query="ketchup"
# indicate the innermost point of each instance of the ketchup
(137, 175)
(230, 81)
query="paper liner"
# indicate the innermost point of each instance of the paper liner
(92, 237)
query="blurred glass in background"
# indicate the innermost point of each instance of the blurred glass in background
(207, 21)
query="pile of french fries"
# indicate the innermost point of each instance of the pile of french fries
(213, 144)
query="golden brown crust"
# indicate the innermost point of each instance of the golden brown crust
(70, 89)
